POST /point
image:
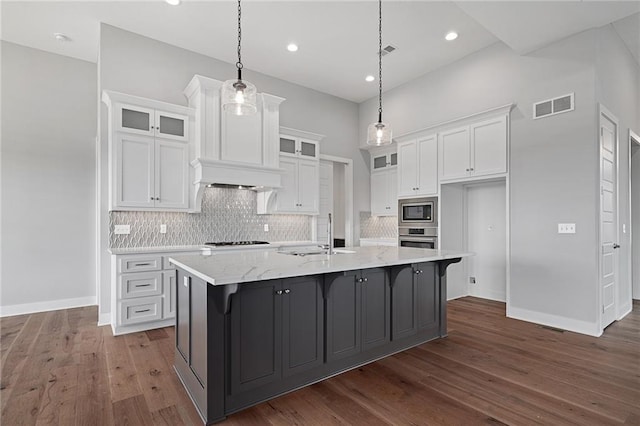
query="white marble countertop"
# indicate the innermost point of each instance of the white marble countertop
(174, 249)
(220, 268)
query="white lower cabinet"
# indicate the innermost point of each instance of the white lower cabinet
(143, 291)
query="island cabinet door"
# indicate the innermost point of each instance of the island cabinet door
(428, 295)
(404, 301)
(376, 303)
(183, 325)
(302, 324)
(343, 295)
(256, 335)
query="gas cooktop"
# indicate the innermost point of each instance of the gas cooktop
(235, 243)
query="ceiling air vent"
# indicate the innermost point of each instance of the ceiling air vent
(388, 49)
(553, 106)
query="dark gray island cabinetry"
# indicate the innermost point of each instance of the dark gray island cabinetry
(243, 339)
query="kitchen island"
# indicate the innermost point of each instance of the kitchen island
(253, 325)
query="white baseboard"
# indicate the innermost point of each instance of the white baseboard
(50, 305)
(456, 296)
(564, 323)
(625, 311)
(104, 319)
(489, 295)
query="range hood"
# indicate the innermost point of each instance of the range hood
(229, 149)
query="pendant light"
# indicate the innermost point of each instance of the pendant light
(378, 133)
(239, 96)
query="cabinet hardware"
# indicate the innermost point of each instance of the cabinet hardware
(365, 279)
(471, 169)
(278, 292)
(467, 169)
(143, 310)
(359, 280)
(143, 264)
(615, 246)
(143, 285)
(287, 291)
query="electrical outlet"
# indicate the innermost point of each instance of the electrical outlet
(566, 228)
(472, 280)
(163, 228)
(266, 227)
(122, 229)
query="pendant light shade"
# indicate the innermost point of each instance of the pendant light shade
(379, 133)
(238, 96)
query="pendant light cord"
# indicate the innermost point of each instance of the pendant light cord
(239, 63)
(379, 61)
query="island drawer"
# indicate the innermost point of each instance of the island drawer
(140, 284)
(143, 309)
(139, 263)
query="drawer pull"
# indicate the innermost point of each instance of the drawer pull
(143, 285)
(143, 310)
(143, 264)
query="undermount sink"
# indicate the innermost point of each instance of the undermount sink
(312, 252)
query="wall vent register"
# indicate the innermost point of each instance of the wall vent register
(553, 106)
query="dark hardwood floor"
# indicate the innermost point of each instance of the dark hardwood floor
(60, 368)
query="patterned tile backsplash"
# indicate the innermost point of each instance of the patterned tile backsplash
(227, 215)
(378, 226)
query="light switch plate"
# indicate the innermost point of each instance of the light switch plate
(163, 228)
(122, 229)
(566, 228)
(266, 227)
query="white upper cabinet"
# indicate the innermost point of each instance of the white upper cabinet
(308, 187)
(384, 192)
(149, 154)
(383, 159)
(479, 149)
(291, 146)
(418, 167)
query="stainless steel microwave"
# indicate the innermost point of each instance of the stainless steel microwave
(418, 211)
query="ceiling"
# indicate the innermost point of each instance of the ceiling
(338, 40)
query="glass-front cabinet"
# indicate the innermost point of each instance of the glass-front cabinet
(298, 147)
(152, 122)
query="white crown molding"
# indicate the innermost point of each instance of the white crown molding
(301, 134)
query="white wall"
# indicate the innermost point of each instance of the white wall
(618, 89)
(552, 166)
(338, 200)
(635, 219)
(141, 66)
(47, 181)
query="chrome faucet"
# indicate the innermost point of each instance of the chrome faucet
(329, 245)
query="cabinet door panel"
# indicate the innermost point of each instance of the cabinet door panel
(169, 289)
(134, 186)
(198, 362)
(407, 169)
(302, 323)
(375, 308)
(172, 126)
(454, 153)
(308, 149)
(489, 146)
(392, 193)
(241, 138)
(288, 193)
(428, 161)
(183, 317)
(172, 174)
(134, 119)
(343, 316)
(404, 299)
(428, 296)
(256, 336)
(379, 193)
(308, 186)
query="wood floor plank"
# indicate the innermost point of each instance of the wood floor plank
(132, 411)
(123, 376)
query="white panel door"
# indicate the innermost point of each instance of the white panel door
(608, 220)
(288, 193)
(172, 174)
(427, 165)
(486, 237)
(407, 169)
(326, 200)
(489, 146)
(454, 153)
(308, 186)
(134, 171)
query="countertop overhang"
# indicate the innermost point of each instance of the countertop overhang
(222, 268)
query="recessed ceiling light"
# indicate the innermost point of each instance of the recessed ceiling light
(61, 37)
(369, 78)
(292, 47)
(451, 36)
(173, 2)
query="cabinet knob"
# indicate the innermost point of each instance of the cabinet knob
(365, 279)
(152, 198)
(416, 271)
(471, 169)
(359, 280)
(467, 169)
(278, 292)
(287, 291)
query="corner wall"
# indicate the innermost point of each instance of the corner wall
(47, 181)
(553, 165)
